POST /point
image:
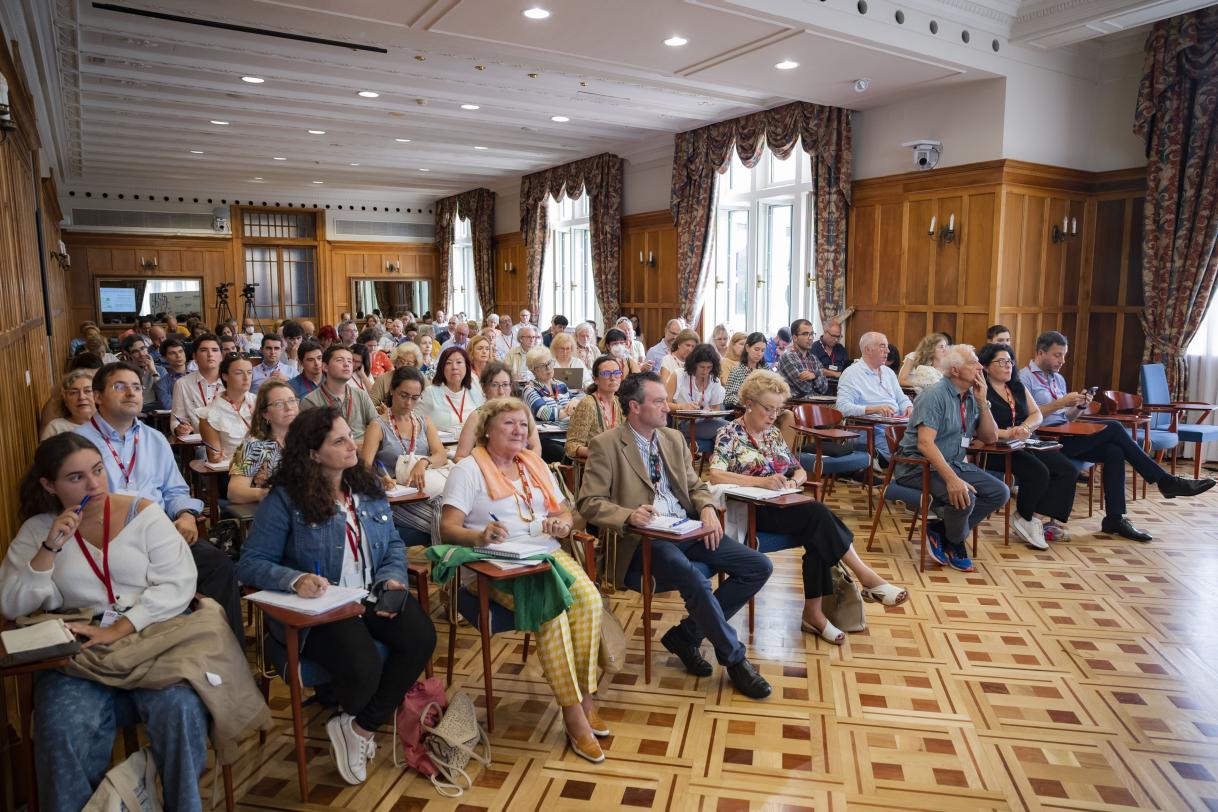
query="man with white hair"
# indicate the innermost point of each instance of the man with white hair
(868, 387)
(945, 419)
(527, 338)
(393, 336)
(585, 343)
(656, 353)
(526, 319)
(638, 353)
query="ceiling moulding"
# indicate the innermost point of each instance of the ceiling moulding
(1055, 23)
(67, 46)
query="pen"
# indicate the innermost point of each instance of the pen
(317, 568)
(381, 465)
(79, 508)
(208, 445)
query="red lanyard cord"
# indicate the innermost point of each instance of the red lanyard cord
(103, 572)
(129, 468)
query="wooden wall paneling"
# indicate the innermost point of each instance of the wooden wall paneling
(511, 294)
(368, 260)
(650, 291)
(866, 243)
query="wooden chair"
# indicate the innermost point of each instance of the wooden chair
(821, 424)
(1157, 442)
(1167, 414)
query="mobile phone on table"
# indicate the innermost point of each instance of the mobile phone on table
(391, 601)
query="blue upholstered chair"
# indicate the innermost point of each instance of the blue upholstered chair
(1166, 414)
(822, 424)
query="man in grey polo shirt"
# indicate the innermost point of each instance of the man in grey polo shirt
(946, 416)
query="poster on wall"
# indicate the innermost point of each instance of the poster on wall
(178, 303)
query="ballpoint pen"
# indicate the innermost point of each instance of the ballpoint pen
(78, 510)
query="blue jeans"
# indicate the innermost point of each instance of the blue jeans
(74, 725)
(881, 442)
(672, 566)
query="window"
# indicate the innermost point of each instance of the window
(280, 254)
(761, 268)
(462, 287)
(566, 275)
(1206, 340)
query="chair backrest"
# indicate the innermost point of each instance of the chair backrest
(1154, 390)
(1114, 402)
(815, 416)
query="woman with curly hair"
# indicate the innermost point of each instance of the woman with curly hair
(919, 369)
(696, 386)
(326, 521)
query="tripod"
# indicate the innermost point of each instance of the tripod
(223, 313)
(249, 310)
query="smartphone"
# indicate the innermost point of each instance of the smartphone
(391, 601)
(1091, 390)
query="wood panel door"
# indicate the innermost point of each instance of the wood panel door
(649, 272)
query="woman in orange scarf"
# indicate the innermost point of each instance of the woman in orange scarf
(503, 492)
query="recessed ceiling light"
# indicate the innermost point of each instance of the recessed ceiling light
(560, 119)
(221, 123)
(253, 80)
(257, 178)
(402, 140)
(536, 13)
(353, 164)
(470, 107)
(369, 94)
(481, 147)
(787, 64)
(424, 170)
(319, 181)
(675, 41)
(317, 132)
(196, 152)
(278, 159)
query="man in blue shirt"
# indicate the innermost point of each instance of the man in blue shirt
(776, 346)
(271, 366)
(173, 351)
(830, 351)
(1113, 446)
(946, 417)
(139, 461)
(312, 370)
(656, 353)
(869, 387)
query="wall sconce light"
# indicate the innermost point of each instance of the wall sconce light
(509, 267)
(650, 260)
(1068, 230)
(392, 266)
(62, 258)
(947, 234)
(7, 125)
(148, 264)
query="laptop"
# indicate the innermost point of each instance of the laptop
(573, 377)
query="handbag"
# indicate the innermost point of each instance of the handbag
(226, 536)
(423, 704)
(453, 742)
(129, 787)
(844, 607)
(836, 448)
(612, 654)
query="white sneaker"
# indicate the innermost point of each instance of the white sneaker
(351, 750)
(1030, 530)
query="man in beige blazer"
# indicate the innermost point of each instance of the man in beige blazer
(640, 470)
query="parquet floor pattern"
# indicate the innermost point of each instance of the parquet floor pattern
(1079, 678)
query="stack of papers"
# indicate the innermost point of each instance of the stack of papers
(516, 550)
(332, 598)
(674, 524)
(400, 490)
(222, 465)
(758, 493)
(191, 439)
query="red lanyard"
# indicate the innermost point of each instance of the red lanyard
(701, 394)
(103, 572)
(355, 533)
(757, 445)
(1047, 383)
(237, 409)
(963, 421)
(460, 413)
(309, 385)
(334, 402)
(203, 396)
(129, 469)
(414, 428)
(600, 408)
(1010, 399)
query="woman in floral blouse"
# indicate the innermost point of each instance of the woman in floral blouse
(750, 451)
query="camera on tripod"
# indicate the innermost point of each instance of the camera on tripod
(247, 292)
(222, 291)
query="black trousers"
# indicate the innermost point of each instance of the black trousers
(218, 580)
(365, 687)
(1113, 447)
(1046, 482)
(824, 536)
(553, 449)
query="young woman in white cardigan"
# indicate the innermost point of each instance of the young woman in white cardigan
(122, 557)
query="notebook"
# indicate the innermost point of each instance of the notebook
(400, 490)
(334, 597)
(673, 524)
(758, 493)
(517, 550)
(40, 641)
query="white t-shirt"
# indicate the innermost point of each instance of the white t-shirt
(354, 573)
(466, 491)
(688, 392)
(672, 364)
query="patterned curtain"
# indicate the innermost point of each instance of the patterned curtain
(1177, 116)
(700, 154)
(601, 177)
(477, 206)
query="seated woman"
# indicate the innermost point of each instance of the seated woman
(257, 458)
(681, 347)
(326, 522)
(361, 362)
(452, 399)
(496, 383)
(696, 386)
(1047, 479)
(549, 399)
(404, 445)
(148, 576)
(563, 348)
(617, 345)
(226, 420)
(750, 451)
(481, 352)
(504, 491)
(597, 413)
(752, 358)
(919, 369)
(719, 339)
(732, 356)
(76, 395)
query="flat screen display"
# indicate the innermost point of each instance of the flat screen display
(117, 300)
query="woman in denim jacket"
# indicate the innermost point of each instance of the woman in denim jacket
(326, 521)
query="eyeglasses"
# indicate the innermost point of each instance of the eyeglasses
(803, 333)
(546, 364)
(124, 387)
(283, 404)
(770, 411)
(609, 373)
(1003, 362)
(88, 390)
(404, 396)
(834, 336)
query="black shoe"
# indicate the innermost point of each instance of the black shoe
(1173, 486)
(1124, 527)
(747, 681)
(689, 655)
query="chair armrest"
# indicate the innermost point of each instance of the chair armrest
(1160, 407)
(588, 542)
(828, 434)
(300, 620)
(1194, 406)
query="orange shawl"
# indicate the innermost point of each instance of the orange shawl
(500, 487)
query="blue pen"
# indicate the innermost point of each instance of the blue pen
(317, 568)
(381, 465)
(79, 508)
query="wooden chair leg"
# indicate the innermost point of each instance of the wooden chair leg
(420, 588)
(293, 677)
(452, 647)
(879, 509)
(484, 629)
(230, 800)
(524, 657)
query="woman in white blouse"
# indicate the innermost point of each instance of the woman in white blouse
(450, 401)
(696, 387)
(225, 421)
(919, 368)
(122, 557)
(76, 394)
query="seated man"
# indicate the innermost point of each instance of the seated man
(134, 350)
(868, 386)
(656, 353)
(946, 416)
(1113, 446)
(641, 469)
(353, 403)
(829, 350)
(777, 346)
(139, 461)
(173, 351)
(799, 365)
(312, 371)
(998, 334)
(272, 366)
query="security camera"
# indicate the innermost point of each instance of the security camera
(925, 152)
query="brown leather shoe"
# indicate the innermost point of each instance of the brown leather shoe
(600, 728)
(587, 747)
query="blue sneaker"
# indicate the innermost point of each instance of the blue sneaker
(957, 558)
(934, 545)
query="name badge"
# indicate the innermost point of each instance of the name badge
(964, 441)
(110, 617)
(833, 367)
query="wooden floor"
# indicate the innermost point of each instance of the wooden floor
(1081, 678)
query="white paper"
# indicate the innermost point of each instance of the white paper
(400, 490)
(447, 437)
(549, 428)
(212, 678)
(334, 597)
(508, 565)
(46, 634)
(677, 524)
(523, 548)
(757, 493)
(187, 439)
(222, 465)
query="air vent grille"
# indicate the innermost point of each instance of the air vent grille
(164, 220)
(381, 228)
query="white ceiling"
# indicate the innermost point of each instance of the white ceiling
(129, 97)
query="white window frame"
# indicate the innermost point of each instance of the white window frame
(567, 287)
(755, 191)
(462, 286)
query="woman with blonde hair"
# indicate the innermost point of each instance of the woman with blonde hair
(549, 399)
(257, 458)
(503, 492)
(679, 350)
(76, 395)
(719, 339)
(481, 352)
(920, 367)
(733, 354)
(563, 348)
(427, 348)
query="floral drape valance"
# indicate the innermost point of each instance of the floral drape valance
(477, 206)
(699, 155)
(601, 177)
(1177, 115)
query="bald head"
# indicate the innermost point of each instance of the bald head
(874, 348)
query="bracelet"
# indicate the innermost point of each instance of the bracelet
(49, 548)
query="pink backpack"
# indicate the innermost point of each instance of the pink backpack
(409, 721)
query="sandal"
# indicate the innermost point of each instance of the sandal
(830, 634)
(887, 594)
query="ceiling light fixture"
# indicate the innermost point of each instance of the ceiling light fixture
(353, 164)
(196, 152)
(278, 159)
(368, 94)
(253, 80)
(218, 122)
(470, 107)
(787, 64)
(481, 147)
(257, 178)
(402, 140)
(861, 85)
(536, 13)
(317, 132)
(424, 170)
(319, 181)
(560, 119)
(675, 41)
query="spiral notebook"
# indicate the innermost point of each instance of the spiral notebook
(517, 550)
